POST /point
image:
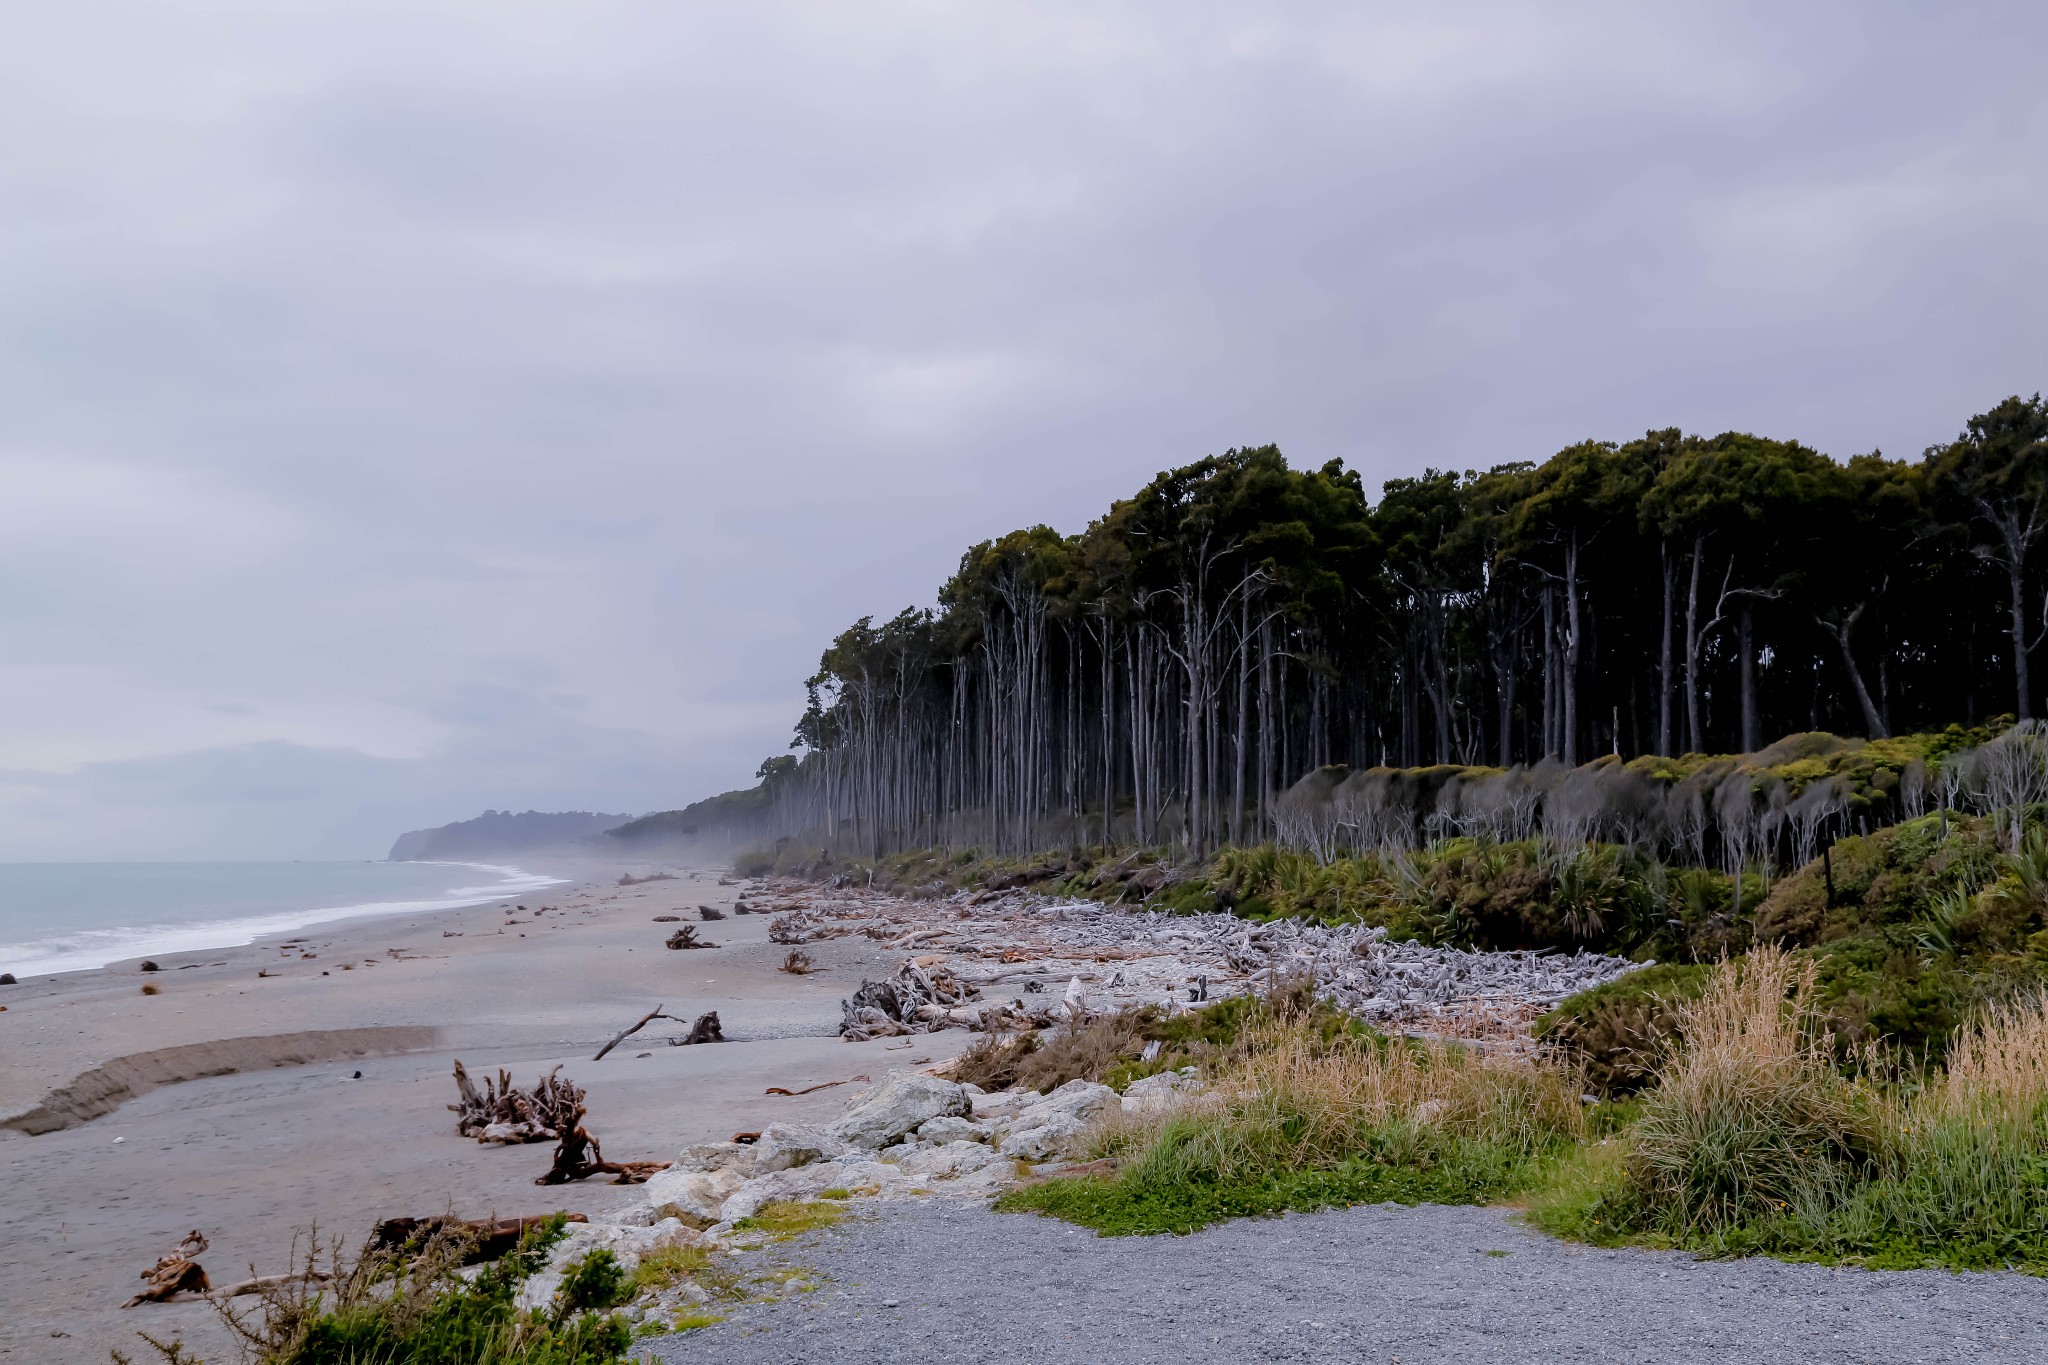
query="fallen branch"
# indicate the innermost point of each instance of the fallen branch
(631, 1029)
(822, 1085)
(686, 937)
(798, 963)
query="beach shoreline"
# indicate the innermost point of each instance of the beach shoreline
(125, 942)
(255, 1156)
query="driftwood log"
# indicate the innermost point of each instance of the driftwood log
(501, 1113)
(686, 937)
(578, 1157)
(177, 1273)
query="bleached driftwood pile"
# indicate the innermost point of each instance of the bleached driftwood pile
(989, 961)
(501, 1112)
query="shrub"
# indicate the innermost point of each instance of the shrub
(1304, 1117)
(1620, 1031)
(411, 1307)
(1749, 1114)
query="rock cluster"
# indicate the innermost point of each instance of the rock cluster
(914, 1134)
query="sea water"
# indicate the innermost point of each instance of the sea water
(61, 917)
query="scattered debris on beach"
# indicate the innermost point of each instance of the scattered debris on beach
(983, 955)
(686, 937)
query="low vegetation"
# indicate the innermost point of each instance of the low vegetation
(410, 1306)
(1756, 1132)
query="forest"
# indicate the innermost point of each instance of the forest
(1238, 627)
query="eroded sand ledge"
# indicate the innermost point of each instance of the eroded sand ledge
(104, 1088)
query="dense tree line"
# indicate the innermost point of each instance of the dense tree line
(1238, 624)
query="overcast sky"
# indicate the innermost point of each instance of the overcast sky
(412, 408)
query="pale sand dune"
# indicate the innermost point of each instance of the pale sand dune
(255, 1156)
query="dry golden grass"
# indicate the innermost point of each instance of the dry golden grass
(1749, 1115)
(1997, 1065)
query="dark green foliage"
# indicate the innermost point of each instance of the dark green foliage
(412, 1308)
(1619, 1032)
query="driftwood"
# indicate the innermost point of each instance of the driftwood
(798, 963)
(633, 1028)
(490, 1237)
(915, 1000)
(501, 1113)
(259, 1283)
(177, 1273)
(686, 937)
(578, 1157)
(628, 879)
(667, 919)
(707, 1029)
(822, 1085)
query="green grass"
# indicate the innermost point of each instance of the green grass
(1123, 1205)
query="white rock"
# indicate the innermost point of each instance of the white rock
(949, 1128)
(717, 1156)
(1156, 1094)
(783, 1146)
(950, 1161)
(701, 1194)
(808, 1182)
(1003, 1104)
(1042, 1129)
(899, 1106)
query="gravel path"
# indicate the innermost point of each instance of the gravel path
(1382, 1284)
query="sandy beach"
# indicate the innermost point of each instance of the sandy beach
(261, 1155)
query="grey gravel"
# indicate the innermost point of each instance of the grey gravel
(1383, 1284)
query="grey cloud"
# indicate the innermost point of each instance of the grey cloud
(402, 373)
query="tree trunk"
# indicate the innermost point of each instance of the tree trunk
(1573, 640)
(1664, 658)
(1752, 728)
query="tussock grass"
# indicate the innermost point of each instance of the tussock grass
(1303, 1118)
(1754, 1143)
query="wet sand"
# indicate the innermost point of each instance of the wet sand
(257, 1157)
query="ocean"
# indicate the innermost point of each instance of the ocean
(61, 917)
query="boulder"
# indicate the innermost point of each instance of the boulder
(716, 1156)
(950, 1128)
(808, 1182)
(1041, 1130)
(950, 1160)
(1003, 1104)
(783, 1146)
(1155, 1094)
(899, 1106)
(700, 1195)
